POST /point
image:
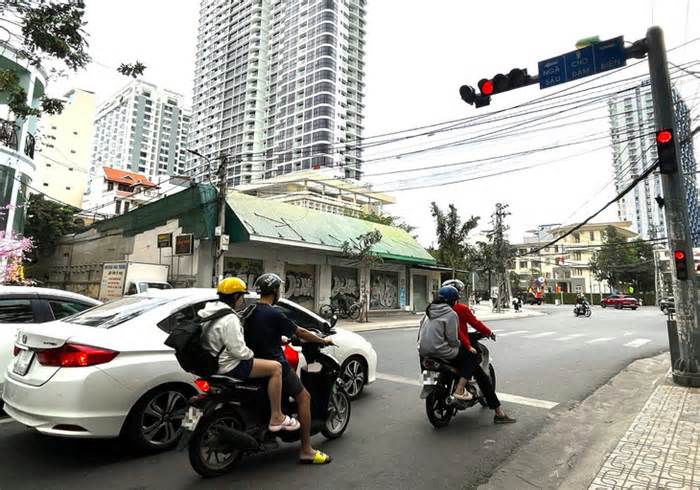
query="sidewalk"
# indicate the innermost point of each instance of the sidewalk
(639, 430)
(482, 312)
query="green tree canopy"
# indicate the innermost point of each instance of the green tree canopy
(621, 263)
(47, 222)
(389, 220)
(451, 232)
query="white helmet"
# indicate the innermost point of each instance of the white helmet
(455, 283)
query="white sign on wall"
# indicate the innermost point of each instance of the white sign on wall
(112, 285)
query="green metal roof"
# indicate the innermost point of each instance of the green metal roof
(258, 219)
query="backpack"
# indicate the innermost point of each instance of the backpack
(185, 338)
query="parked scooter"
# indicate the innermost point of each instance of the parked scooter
(582, 309)
(439, 379)
(230, 418)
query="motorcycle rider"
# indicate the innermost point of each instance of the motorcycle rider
(264, 330)
(438, 337)
(581, 303)
(469, 341)
(224, 338)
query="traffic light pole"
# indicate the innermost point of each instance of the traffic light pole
(686, 369)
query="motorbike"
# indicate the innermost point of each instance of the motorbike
(439, 379)
(229, 419)
(582, 310)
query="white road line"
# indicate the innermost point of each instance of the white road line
(571, 336)
(516, 332)
(637, 343)
(497, 330)
(600, 339)
(538, 335)
(506, 397)
(628, 333)
(7, 420)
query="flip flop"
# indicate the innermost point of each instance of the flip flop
(319, 458)
(290, 424)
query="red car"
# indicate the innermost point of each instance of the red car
(620, 301)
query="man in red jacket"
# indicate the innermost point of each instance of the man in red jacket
(466, 317)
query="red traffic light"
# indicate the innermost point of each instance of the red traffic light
(486, 87)
(664, 136)
(679, 255)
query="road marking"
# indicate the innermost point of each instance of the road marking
(6, 420)
(506, 397)
(569, 337)
(628, 333)
(538, 335)
(600, 339)
(497, 330)
(516, 332)
(636, 343)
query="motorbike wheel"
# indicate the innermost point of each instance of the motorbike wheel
(492, 375)
(326, 311)
(354, 312)
(338, 416)
(439, 412)
(588, 313)
(206, 456)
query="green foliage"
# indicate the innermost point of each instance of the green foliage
(451, 232)
(388, 220)
(47, 222)
(132, 70)
(621, 263)
(360, 251)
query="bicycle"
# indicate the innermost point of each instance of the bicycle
(344, 309)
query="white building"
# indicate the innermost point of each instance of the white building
(66, 144)
(114, 191)
(634, 150)
(143, 129)
(279, 87)
(17, 143)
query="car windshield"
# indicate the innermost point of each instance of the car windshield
(116, 312)
(145, 286)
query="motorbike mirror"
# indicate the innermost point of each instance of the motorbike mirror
(334, 320)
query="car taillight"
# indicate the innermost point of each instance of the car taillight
(75, 355)
(16, 351)
(202, 384)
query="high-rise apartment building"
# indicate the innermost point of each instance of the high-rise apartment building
(634, 150)
(143, 129)
(66, 144)
(279, 87)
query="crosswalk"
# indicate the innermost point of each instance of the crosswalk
(625, 337)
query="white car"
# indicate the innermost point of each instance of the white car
(106, 372)
(23, 306)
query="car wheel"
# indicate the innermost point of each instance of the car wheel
(603, 305)
(155, 422)
(353, 372)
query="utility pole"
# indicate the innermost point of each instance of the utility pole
(218, 247)
(686, 369)
(501, 254)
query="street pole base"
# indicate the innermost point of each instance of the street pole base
(686, 379)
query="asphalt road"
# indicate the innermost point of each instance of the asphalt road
(543, 363)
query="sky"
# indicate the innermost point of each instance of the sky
(418, 55)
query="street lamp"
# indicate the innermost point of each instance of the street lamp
(197, 154)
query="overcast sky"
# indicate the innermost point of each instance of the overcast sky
(418, 54)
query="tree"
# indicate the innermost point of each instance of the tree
(13, 251)
(620, 262)
(49, 31)
(483, 259)
(47, 222)
(453, 248)
(360, 251)
(388, 220)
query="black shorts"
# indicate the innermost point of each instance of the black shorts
(291, 384)
(242, 370)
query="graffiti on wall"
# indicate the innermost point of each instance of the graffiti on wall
(246, 269)
(299, 285)
(384, 293)
(344, 285)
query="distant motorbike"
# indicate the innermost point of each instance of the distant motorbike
(230, 419)
(439, 379)
(582, 310)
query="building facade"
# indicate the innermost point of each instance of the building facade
(564, 266)
(66, 144)
(114, 191)
(634, 150)
(17, 143)
(142, 128)
(279, 87)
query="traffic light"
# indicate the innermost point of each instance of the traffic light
(470, 96)
(666, 150)
(681, 265)
(516, 78)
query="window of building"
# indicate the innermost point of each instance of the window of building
(591, 234)
(577, 238)
(118, 207)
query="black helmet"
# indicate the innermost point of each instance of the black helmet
(268, 283)
(448, 294)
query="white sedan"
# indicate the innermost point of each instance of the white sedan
(23, 306)
(106, 372)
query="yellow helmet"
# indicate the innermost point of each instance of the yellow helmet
(232, 285)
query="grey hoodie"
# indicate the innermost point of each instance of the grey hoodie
(437, 335)
(224, 332)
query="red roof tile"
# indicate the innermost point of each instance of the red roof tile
(126, 177)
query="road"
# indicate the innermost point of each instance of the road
(543, 365)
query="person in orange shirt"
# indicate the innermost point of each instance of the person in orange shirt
(466, 317)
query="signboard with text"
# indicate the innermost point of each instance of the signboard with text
(165, 240)
(184, 244)
(112, 285)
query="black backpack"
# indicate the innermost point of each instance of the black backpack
(185, 338)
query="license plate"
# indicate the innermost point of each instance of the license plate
(192, 418)
(24, 360)
(430, 377)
